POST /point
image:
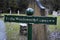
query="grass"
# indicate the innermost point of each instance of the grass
(55, 27)
(12, 30)
(13, 14)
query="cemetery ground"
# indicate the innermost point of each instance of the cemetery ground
(12, 29)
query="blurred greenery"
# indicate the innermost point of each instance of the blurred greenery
(14, 5)
(12, 30)
(51, 4)
(55, 27)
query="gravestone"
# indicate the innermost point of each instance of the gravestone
(10, 12)
(55, 13)
(2, 30)
(18, 12)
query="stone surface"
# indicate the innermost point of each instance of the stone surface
(2, 31)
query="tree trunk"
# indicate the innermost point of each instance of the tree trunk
(39, 30)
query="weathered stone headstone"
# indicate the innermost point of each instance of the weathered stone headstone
(55, 13)
(2, 30)
(10, 12)
(23, 37)
(18, 12)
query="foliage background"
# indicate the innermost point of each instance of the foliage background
(14, 5)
